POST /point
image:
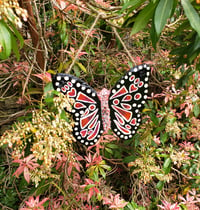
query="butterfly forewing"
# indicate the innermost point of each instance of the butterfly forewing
(86, 108)
(127, 99)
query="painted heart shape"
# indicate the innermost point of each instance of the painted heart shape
(132, 88)
(72, 92)
(133, 121)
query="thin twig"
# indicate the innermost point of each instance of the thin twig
(83, 44)
(124, 46)
(181, 173)
(14, 116)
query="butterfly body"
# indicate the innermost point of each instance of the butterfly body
(120, 107)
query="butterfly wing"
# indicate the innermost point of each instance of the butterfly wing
(86, 108)
(127, 99)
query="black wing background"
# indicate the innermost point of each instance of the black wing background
(86, 108)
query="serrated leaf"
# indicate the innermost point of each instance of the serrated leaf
(143, 18)
(162, 13)
(192, 15)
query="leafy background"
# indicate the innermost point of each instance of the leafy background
(41, 165)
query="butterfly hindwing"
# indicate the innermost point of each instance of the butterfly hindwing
(86, 108)
(127, 99)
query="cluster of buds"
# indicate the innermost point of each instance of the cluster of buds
(11, 11)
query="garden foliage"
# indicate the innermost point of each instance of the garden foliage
(41, 165)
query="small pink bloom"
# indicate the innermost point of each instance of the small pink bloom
(156, 140)
(34, 204)
(114, 201)
(46, 77)
(168, 206)
(26, 164)
(93, 160)
(187, 146)
(93, 190)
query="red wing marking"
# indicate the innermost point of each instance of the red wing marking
(137, 80)
(119, 119)
(116, 101)
(83, 133)
(133, 121)
(140, 84)
(63, 89)
(66, 87)
(120, 92)
(72, 92)
(137, 96)
(89, 132)
(95, 132)
(122, 129)
(85, 113)
(82, 97)
(132, 88)
(87, 119)
(69, 83)
(92, 107)
(124, 113)
(132, 78)
(126, 106)
(127, 98)
(93, 122)
(79, 105)
(128, 126)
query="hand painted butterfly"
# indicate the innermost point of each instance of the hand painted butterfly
(124, 102)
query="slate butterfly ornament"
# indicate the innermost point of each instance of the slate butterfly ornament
(124, 102)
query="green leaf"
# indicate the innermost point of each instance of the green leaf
(89, 186)
(143, 18)
(154, 118)
(196, 110)
(133, 4)
(160, 185)
(17, 34)
(112, 146)
(48, 87)
(15, 47)
(163, 137)
(167, 165)
(81, 67)
(162, 13)
(109, 150)
(129, 159)
(5, 41)
(153, 35)
(102, 172)
(192, 15)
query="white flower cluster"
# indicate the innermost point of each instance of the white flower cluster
(11, 11)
